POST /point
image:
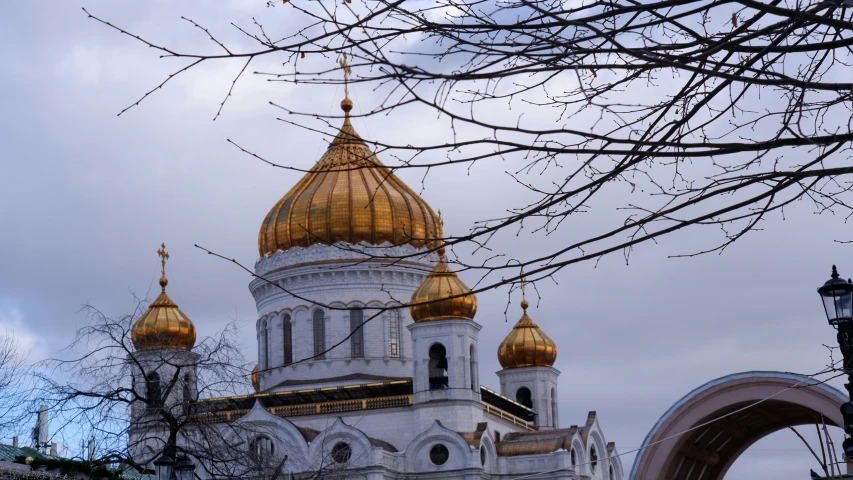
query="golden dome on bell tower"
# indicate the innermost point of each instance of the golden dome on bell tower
(442, 296)
(163, 325)
(527, 345)
(254, 377)
(348, 196)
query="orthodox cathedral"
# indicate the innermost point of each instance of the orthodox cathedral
(349, 384)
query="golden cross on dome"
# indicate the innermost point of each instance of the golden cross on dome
(164, 255)
(345, 66)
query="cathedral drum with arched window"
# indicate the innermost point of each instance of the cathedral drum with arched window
(330, 253)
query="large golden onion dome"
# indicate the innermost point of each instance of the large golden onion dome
(348, 196)
(527, 345)
(163, 325)
(436, 298)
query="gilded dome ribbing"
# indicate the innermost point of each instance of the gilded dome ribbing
(431, 301)
(348, 196)
(163, 325)
(527, 345)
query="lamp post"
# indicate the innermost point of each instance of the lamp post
(168, 469)
(837, 296)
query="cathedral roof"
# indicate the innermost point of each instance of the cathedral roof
(527, 345)
(536, 443)
(163, 325)
(443, 296)
(348, 196)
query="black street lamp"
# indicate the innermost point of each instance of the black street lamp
(164, 465)
(837, 296)
(167, 469)
(185, 469)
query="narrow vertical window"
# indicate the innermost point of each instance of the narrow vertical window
(473, 364)
(554, 408)
(288, 340)
(261, 448)
(356, 340)
(153, 393)
(394, 333)
(265, 346)
(438, 367)
(189, 399)
(523, 396)
(319, 334)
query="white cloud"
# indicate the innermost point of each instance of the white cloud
(13, 323)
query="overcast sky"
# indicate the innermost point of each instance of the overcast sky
(87, 197)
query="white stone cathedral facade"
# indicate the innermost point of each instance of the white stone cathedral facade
(350, 385)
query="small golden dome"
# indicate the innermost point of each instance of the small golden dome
(163, 325)
(255, 382)
(440, 284)
(348, 196)
(527, 345)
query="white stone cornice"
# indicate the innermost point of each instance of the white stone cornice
(318, 253)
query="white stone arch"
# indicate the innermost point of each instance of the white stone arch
(417, 452)
(320, 451)
(487, 441)
(437, 341)
(447, 350)
(596, 439)
(513, 395)
(287, 439)
(615, 462)
(580, 455)
(301, 311)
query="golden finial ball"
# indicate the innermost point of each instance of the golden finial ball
(440, 252)
(346, 105)
(163, 282)
(524, 304)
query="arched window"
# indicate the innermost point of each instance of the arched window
(319, 334)
(288, 339)
(437, 367)
(554, 407)
(356, 340)
(189, 399)
(261, 448)
(263, 349)
(611, 473)
(574, 457)
(153, 393)
(394, 333)
(593, 458)
(473, 364)
(523, 396)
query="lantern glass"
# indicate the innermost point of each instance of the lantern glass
(837, 296)
(164, 465)
(839, 306)
(184, 469)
